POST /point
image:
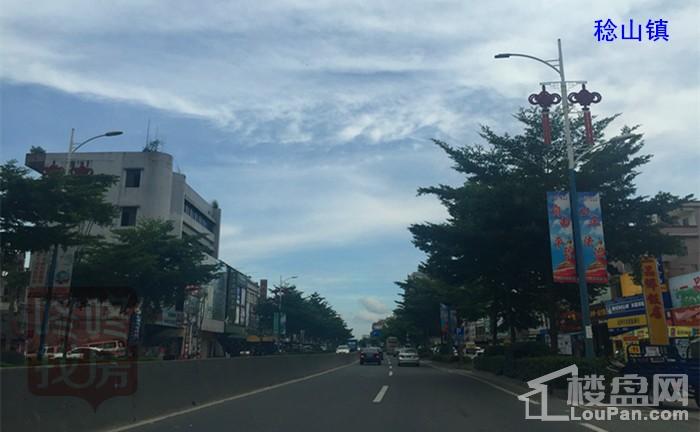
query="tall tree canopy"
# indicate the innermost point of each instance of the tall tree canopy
(148, 259)
(493, 250)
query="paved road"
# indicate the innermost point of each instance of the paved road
(386, 398)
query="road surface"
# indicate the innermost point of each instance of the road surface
(384, 398)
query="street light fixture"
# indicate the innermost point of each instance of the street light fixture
(558, 66)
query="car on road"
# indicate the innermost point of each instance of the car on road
(88, 353)
(342, 349)
(408, 356)
(371, 355)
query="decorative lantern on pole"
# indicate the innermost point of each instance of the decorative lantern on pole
(585, 98)
(545, 99)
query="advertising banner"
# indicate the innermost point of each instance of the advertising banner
(561, 237)
(633, 305)
(627, 321)
(39, 266)
(686, 316)
(591, 224)
(654, 304)
(444, 318)
(685, 290)
(562, 242)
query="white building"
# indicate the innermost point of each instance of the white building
(147, 188)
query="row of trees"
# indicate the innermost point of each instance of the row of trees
(311, 315)
(490, 258)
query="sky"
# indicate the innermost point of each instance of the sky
(310, 121)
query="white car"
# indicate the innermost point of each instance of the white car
(408, 356)
(342, 349)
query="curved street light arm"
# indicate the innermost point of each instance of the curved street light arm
(76, 147)
(506, 55)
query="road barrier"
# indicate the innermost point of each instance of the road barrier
(161, 387)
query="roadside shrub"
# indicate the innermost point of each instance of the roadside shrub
(527, 349)
(528, 368)
(490, 363)
(494, 350)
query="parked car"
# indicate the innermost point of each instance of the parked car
(117, 348)
(88, 353)
(342, 349)
(408, 356)
(370, 355)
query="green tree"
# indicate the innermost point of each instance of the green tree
(44, 213)
(147, 259)
(493, 251)
(311, 314)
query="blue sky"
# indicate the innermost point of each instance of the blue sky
(309, 121)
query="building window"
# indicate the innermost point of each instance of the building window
(129, 216)
(133, 177)
(199, 217)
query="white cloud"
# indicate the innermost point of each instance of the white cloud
(374, 305)
(327, 72)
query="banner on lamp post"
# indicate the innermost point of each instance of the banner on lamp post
(561, 238)
(592, 239)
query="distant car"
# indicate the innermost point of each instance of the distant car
(381, 352)
(88, 353)
(371, 355)
(408, 356)
(117, 348)
(342, 349)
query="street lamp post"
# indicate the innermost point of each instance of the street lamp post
(282, 285)
(72, 148)
(558, 66)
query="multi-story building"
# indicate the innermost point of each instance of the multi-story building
(688, 230)
(147, 188)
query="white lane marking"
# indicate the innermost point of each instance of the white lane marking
(593, 427)
(220, 401)
(381, 394)
(391, 373)
(468, 375)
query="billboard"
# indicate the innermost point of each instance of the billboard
(561, 237)
(686, 316)
(654, 303)
(685, 290)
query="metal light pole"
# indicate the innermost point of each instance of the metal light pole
(72, 148)
(283, 284)
(558, 66)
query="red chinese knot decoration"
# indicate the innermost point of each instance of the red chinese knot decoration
(585, 98)
(545, 100)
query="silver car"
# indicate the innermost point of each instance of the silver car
(408, 356)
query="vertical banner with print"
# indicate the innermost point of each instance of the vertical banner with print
(444, 318)
(561, 237)
(591, 225)
(654, 302)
